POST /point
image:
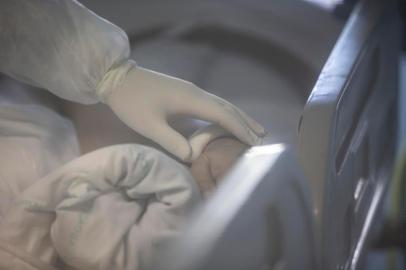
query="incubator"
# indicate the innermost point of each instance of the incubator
(308, 197)
(320, 218)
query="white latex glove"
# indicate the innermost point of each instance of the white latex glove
(147, 99)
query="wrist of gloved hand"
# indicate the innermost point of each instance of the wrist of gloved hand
(114, 79)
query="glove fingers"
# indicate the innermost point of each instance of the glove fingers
(258, 128)
(214, 109)
(171, 140)
(199, 140)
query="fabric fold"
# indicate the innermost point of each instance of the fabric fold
(113, 208)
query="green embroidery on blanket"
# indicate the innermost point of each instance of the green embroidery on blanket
(74, 235)
(32, 205)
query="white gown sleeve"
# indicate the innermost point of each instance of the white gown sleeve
(63, 47)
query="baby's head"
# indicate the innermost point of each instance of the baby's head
(215, 161)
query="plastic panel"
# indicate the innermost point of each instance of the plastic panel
(348, 132)
(260, 218)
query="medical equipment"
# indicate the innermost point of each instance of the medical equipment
(347, 137)
(350, 124)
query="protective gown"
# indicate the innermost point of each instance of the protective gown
(63, 47)
(110, 209)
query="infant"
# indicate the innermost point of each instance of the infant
(215, 161)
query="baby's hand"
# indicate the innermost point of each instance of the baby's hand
(214, 162)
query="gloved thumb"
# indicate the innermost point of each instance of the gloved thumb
(203, 136)
(172, 141)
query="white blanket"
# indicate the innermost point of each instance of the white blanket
(110, 209)
(113, 208)
(33, 141)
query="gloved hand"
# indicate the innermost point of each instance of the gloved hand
(146, 100)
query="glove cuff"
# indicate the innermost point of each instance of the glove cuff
(113, 79)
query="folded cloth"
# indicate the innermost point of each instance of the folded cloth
(114, 208)
(17, 259)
